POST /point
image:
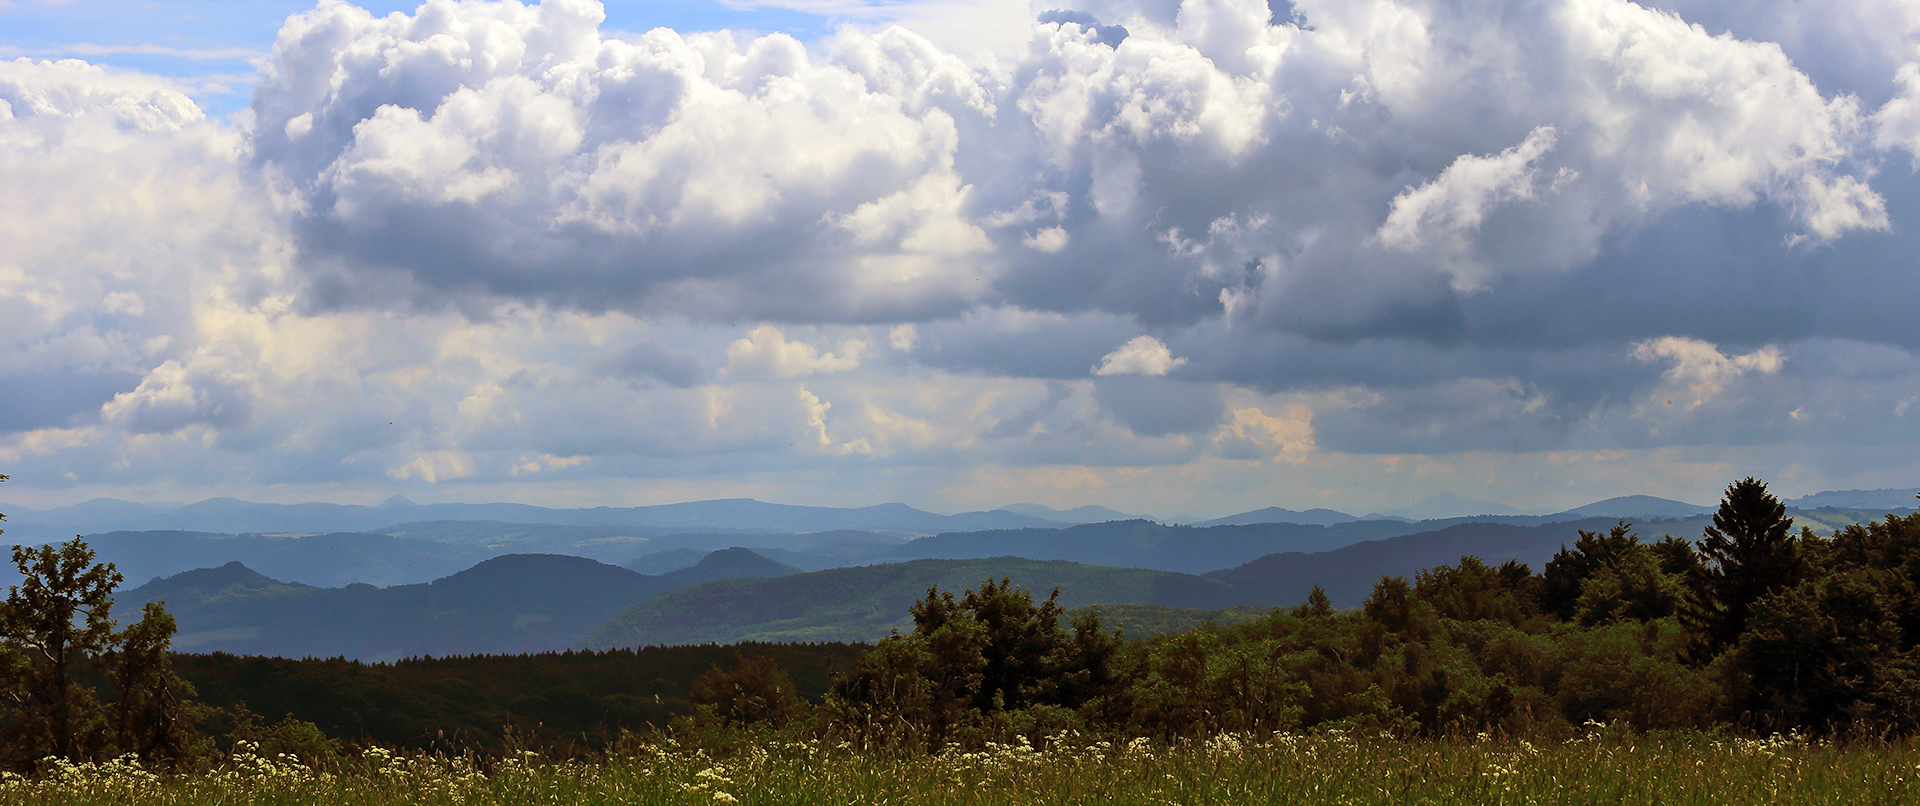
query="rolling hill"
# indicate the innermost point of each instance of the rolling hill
(1145, 544)
(1636, 507)
(1348, 574)
(1316, 517)
(505, 605)
(327, 560)
(865, 603)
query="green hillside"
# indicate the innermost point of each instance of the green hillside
(865, 603)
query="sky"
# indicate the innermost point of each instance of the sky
(1175, 258)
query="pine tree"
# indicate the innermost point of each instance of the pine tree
(1748, 553)
(1316, 606)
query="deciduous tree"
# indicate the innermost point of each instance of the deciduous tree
(58, 622)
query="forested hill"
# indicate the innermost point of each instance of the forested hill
(866, 603)
(507, 605)
(1145, 544)
(327, 560)
(1348, 574)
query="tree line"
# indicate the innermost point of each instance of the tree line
(1755, 627)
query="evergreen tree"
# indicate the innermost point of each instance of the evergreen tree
(1316, 606)
(1748, 553)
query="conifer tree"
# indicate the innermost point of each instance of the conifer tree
(1748, 553)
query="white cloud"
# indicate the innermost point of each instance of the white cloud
(1455, 202)
(1700, 371)
(903, 338)
(672, 163)
(1142, 355)
(490, 244)
(1254, 434)
(175, 396)
(765, 350)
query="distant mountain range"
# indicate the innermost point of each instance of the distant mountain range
(856, 585)
(866, 603)
(599, 531)
(1311, 517)
(1085, 514)
(1348, 574)
(1892, 498)
(506, 605)
(1637, 507)
(231, 515)
(1448, 505)
(1145, 544)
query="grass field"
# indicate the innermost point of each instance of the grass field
(1324, 769)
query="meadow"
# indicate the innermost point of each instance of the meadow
(1333, 767)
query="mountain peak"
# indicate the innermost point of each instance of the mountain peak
(396, 502)
(732, 563)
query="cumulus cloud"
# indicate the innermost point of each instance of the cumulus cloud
(700, 173)
(1251, 433)
(1451, 207)
(1699, 371)
(484, 242)
(1168, 163)
(768, 351)
(174, 396)
(1141, 355)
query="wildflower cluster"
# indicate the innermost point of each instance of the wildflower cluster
(1278, 768)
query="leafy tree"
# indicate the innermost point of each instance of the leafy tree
(1087, 673)
(1394, 606)
(1473, 590)
(154, 714)
(1748, 553)
(1821, 653)
(1569, 569)
(58, 623)
(756, 690)
(1021, 643)
(56, 619)
(1840, 648)
(990, 653)
(1630, 588)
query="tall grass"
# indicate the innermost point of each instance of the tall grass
(1332, 768)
